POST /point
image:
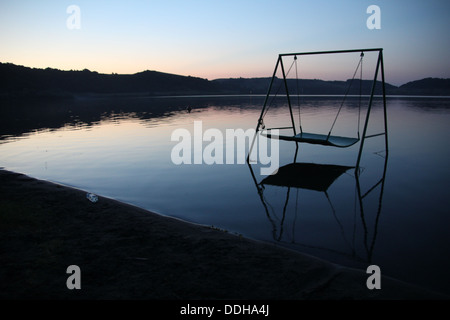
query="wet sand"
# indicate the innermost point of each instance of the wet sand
(125, 252)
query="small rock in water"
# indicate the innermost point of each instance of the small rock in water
(92, 197)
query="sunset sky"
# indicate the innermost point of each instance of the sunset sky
(220, 39)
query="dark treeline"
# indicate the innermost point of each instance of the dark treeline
(19, 81)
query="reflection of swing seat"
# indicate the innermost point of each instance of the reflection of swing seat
(312, 176)
(313, 138)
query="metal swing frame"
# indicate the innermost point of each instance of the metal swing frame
(328, 140)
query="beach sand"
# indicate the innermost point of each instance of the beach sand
(125, 252)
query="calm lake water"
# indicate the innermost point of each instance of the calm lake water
(395, 214)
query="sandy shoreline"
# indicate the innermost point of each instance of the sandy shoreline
(125, 252)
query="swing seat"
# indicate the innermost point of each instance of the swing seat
(314, 138)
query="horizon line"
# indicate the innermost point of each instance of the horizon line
(176, 74)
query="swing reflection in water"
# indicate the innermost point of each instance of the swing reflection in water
(320, 177)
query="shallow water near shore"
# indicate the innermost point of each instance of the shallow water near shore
(395, 214)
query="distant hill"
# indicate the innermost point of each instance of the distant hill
(20, 81)
(23, 81)
(427, 86)
(306, 86)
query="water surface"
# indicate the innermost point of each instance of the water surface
(395, 214)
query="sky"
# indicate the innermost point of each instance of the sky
(222, 38)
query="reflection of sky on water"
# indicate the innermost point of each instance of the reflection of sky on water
(125, 154)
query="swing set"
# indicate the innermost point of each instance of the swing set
(331, 140)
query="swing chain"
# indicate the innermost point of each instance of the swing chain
(359, 66)
(298, 95)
